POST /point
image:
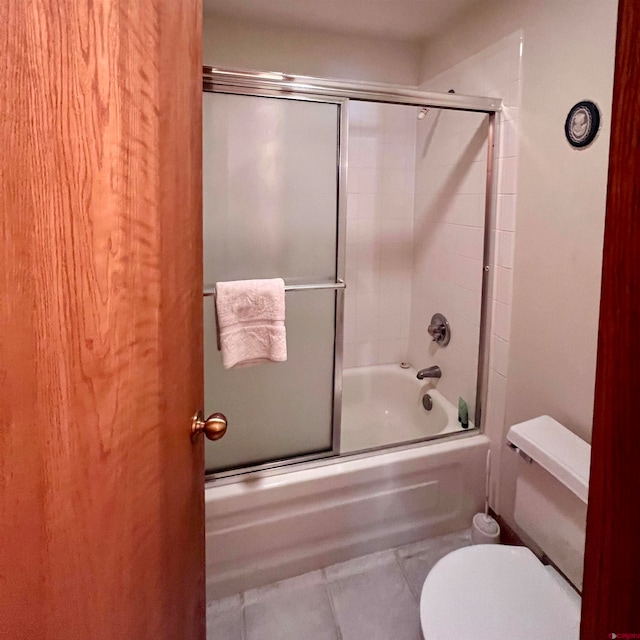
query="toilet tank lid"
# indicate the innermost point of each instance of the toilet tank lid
(562, 453)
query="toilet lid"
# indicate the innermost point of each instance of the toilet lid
(496, 592)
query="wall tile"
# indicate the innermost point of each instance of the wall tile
(367, 280)
(379, 233)
(352, 206)
(496, 406)
(509, 139)
(494, 430)
(393, 326)
(367, 230)
(392, 351)
(499, 355)
(397, 231)
(371, 152)
(368, 205)
(458, 270)
(503, 284)
(368, 180)
(367, 304)
(352, 230)
(349, 354)
(397, 206)
(460, 240)
(474, 180)
(501, 325)
(504, 249)
(465, 210)
(512, 98)
(508, 175)
(367, 327)
(365, 354)
(506, 212)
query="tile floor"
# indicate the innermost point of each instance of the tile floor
(374, 597)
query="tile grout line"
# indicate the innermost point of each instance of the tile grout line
(404, 574)
(336, 624)
(243, 631)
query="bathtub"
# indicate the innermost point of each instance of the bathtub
(382, 405)
(265, 528)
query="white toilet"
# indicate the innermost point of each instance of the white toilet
(499, 592)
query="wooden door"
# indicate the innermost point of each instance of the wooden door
(101, 490)
(612, 557)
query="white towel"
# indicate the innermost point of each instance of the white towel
(251, 322)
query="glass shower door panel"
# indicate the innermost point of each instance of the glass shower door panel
(280, 410)
(270, 190)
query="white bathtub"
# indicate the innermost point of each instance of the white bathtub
(382, 405)
(264, 529)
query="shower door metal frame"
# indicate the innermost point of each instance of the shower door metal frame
(290, 85)
(339, 284)
(489, 266)
(280, 85)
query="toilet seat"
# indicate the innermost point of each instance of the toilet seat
(496, 592)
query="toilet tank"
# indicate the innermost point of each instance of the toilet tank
(551, 491)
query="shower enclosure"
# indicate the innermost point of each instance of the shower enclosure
(374, 205)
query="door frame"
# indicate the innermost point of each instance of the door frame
(612, 554)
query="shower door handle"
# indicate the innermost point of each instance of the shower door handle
(214, 427)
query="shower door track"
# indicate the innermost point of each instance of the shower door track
(216, 78)
(307, 88)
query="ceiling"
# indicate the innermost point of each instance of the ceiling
(407, 20)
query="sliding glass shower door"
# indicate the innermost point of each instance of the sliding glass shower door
(270, 180)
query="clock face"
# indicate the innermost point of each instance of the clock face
(582, 124)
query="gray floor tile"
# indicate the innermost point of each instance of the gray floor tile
(359, 565)
(376, 605)
(293, 609)
(418, 559)
(224, 619)
(372, 598)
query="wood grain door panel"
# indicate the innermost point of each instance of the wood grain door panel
(101, 490)
(612, 555)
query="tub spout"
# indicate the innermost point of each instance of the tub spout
(429, 372)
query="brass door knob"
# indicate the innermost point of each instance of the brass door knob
(214, 427)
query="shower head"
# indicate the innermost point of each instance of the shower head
(422, 113)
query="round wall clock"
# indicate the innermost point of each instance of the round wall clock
(582, 124)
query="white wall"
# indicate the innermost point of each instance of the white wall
(382, 140)
(568, 56)
(228, 42)
(494, 71)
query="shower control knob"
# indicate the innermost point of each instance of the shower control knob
(214, 427)
(439, 330)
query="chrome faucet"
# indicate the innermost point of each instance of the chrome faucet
(429, 372)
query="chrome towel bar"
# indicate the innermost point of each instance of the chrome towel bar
(340, 284)
(211, 291)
